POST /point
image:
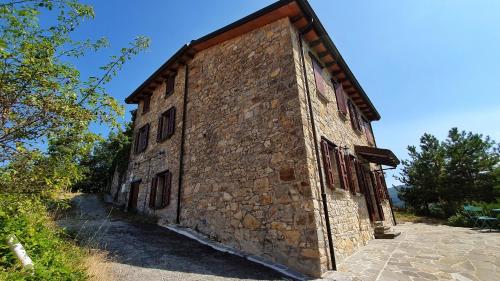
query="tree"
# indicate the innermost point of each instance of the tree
(107, 156)
(462, 168)
(422, 173)
(42, 95)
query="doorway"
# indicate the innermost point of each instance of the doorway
(133, 195)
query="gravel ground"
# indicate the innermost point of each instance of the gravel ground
(142, 251)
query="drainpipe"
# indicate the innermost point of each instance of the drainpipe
(183, 136)
(316, 150)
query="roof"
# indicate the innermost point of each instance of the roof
(302, 17)
(377, 155)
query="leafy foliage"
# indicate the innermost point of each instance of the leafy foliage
(107, 156)
(42, 95)
(54, 257)
(444, 175)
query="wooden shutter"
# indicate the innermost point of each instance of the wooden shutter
(145, 137)
(167, 186)
(349, 160)
(318, 77)
(146, 103)
(360, 177)
(152, 194)
(137, 142)
(327, 164)
(368, 131)
(342, 169)
(159, 129)
(354, 116)
(171, 122)
(341, 99)
(170, 85)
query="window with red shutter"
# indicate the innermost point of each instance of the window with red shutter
(170, 85)
(341, 99)
(368, 131)
(342, 168)
(352, 171)
(166, 124)
(160, 190)
(146, 102)
(318, 77)
(327, 163)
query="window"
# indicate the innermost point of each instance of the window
(161, 185)
(334, 165)
(146, 101)
(355, 116)
(368, 131)
(341, 99)
(352, 172)
(141, 139)
(318, 77)
(166, 125)
(170, 85)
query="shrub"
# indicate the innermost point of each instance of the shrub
(54, 256)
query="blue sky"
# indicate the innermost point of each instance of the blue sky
(427, 65)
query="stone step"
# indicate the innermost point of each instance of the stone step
(387, 235)
(382, 229)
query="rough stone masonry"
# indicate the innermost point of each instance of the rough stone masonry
(250, 177)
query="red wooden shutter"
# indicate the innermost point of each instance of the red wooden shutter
(171, 122)
(167, 185)
(170, 85)
(327, 164)
(152, 194)
(318, 77)
(353, 115)
(341, 165)
(159, 129)
(341, 99)
(361, 180)
(368, 131)
(349, 174)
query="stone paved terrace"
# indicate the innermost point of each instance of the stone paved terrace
(427, 252)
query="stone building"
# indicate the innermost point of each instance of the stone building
(259, 136)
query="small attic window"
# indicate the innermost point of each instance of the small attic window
(170, 85)
(146, 102)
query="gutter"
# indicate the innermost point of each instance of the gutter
(318, 163)
(183, 140)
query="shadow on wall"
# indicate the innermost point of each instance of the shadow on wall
(146, 245)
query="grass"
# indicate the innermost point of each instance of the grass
(405, 216)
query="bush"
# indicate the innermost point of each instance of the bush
(54, 257)
(459, 219)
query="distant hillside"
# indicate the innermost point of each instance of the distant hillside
(393, 193)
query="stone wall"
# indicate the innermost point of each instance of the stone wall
(146, 165)
(348, 213)
(246, 184)
(250, 174)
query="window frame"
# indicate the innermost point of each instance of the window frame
(146, 109)
(155, 202)
(167, 119)
(170, 85)
(143, 132)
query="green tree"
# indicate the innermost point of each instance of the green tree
(42, 94)
(468, 175)
(423, 174)
(107, 156)
(463, 168)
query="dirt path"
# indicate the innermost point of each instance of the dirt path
(141, 251)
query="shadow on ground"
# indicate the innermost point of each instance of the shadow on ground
(142, 251)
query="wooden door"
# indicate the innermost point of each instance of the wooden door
(132, 198)
(376, 192)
